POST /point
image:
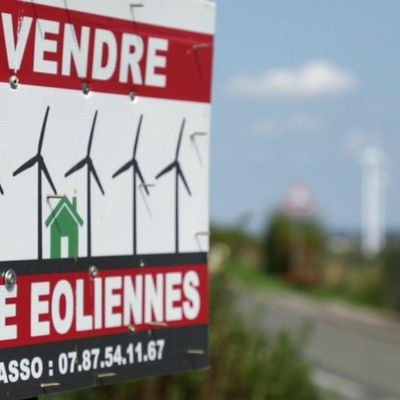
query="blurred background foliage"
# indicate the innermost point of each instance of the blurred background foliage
(293, 255)
(245, 363)
(299, 254)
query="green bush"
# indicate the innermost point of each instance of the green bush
(277, 243)
(391, 272)
(293, 247)
(245, 365)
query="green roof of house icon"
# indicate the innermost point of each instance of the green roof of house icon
(64, 222)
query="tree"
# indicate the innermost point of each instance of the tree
(293, 247)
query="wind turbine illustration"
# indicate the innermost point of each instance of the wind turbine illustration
(42, 169)
(178, 175)
(137, 173)
(91, 172)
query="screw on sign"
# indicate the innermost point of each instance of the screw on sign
(99, 284)
(14, 82)
(10, 279)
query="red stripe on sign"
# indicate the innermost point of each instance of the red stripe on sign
(54, 47)
(58, 307)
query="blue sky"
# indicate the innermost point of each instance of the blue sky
(299, 89)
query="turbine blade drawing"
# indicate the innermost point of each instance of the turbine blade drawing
(91, 172)
(178, 147)
(95, 176)
(47, 175)
(124, 168)
(76, 167)
(92, 133)
(30, 163)
(43, 130)
(139, 172)
(166, 170)
(137, 135)
(42, 169)
(136, 173)
(180, 174)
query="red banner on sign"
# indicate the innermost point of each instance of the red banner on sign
(55, 47)
(57, 307)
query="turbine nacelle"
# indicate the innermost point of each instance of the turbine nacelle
(176, 164)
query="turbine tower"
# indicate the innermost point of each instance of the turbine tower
(42, 169)
(175, 165)
(136, 173)
(91, 172)
(373, 201)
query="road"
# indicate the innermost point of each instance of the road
(355, 353)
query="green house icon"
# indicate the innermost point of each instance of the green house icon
(64, 222)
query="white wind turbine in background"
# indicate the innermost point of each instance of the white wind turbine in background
(373, 200)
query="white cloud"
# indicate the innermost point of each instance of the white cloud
(315, 79)
(301, 124)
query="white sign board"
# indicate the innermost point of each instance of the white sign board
(104, 168)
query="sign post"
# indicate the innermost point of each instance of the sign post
(104, 169)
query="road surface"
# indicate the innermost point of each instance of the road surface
(355, 353)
